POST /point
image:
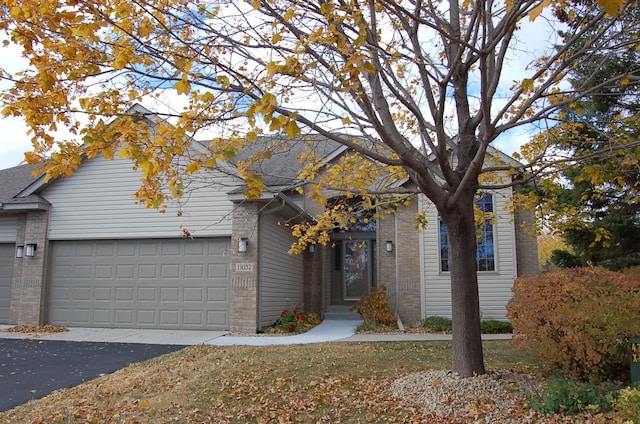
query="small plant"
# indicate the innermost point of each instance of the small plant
(437, 324)
(570, 397)
(311, 319)
(374, 307)
(629, 404)
(492, 326)
(290, 321)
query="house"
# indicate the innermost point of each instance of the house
(79, 251)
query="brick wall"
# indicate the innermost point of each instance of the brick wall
(526, 243)
(243, 302)
(312, 289)
(403, 286)
(29, 278)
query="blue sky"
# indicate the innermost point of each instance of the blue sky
(15, 140)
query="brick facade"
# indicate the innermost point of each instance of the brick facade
(526, 243)
(399, 270)
(29, 275)
(243, 302)
(312, 290)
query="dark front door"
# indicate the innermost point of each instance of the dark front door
(357, 269)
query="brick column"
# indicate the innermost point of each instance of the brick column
(526, 242)
(312, 289)
(403, 294)
(243, 302)
(29, 273)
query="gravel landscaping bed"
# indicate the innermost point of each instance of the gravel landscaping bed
(496, 397)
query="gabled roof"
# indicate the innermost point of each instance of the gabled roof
(281, 169)
(12, 182)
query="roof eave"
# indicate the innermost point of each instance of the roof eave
(25, 207)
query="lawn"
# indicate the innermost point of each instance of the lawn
(332, 382)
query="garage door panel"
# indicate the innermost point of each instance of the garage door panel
(124, 317)
(102, 316)
(103, 294)
(146, 317)
(165, 284)
(217, 294)
(7, 254)
(147, 294)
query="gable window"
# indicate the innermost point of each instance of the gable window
(485, 254)
(364, 220)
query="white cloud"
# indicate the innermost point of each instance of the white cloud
(14, 142)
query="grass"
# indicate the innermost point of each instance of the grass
(332, 382)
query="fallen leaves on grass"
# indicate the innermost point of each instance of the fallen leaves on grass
(324, 383)
(37, 329)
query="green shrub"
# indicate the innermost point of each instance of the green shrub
(374, 307)
(492, 326)
(437, 324)
(629, 404)
(571, 397)
(577, 320)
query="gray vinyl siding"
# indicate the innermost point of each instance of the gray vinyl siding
(281, 274)
(97, 202)
(7, 253)
(8, 228)
(494, 287)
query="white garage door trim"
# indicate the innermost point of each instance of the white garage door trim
(7, 253)
(146, 283)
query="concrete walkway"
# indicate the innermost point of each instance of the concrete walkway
(328, 331)
(120, 335)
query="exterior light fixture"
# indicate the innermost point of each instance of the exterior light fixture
(312, 248)
(30, 250)
(242, 245)
(20, 251)
(389, 246)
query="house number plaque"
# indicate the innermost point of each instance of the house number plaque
(244, 267)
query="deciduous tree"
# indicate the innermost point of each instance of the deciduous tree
(417, 90)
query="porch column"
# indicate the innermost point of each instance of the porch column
(243, 302)
(312, 289)
(403, 283)
(28, 286)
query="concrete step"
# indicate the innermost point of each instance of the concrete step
(340, 312)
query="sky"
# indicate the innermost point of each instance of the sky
(15, 140)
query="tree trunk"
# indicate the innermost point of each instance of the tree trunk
(468, 358)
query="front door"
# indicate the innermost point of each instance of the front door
(357, 268)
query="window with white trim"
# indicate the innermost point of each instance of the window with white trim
(485, 254)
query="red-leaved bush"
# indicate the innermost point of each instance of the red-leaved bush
(578, 320)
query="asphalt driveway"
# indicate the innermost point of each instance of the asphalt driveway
(31, 369)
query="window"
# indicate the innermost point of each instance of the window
(365, 221)
(485, 254)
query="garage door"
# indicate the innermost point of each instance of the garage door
(7, 252)
(171, 284)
